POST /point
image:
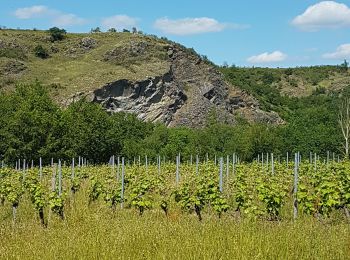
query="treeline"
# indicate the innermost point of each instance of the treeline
(32, 125)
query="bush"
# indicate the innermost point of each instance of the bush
(96, 30)
(112, 30)
(41, 52)
(57, 34)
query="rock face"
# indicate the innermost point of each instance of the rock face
(183, 96)
(154, 99)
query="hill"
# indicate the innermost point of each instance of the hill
(159, 80)
(274, 86)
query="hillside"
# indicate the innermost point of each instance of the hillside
(159, 80)
(274, 86)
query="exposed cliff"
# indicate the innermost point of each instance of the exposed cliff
(183, 96)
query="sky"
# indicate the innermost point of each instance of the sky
(260, 33)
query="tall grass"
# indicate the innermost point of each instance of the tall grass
(96, 232)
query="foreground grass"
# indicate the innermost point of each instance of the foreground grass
(98, 233)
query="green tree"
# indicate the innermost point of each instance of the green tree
(126, 134)
(29, 116)
(96, 30)
(57, 34)
(112, 30)
(82, 132)
(344, 66)
(180, 140)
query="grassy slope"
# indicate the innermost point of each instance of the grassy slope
(74, 69)
(297, 82)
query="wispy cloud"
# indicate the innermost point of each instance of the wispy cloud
(190, 26)
(326, 14)
(68, 20)
(32, 12)
(56, 17)
(266, 57)
(342, 52)
(119, 22)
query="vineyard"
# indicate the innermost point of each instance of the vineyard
(136, 209)
(259, 190)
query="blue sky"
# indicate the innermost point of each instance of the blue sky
(269, 33)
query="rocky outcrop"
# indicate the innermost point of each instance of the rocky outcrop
(154, 99)
(87, 43)
(184, 96)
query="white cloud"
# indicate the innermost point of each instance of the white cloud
(119, 22)
(326, 14)
(266, 57)
(188, 26)
(68, 20)
(56, 17)
(31, 12)
(342, 52)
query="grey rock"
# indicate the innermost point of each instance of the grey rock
(88, 43)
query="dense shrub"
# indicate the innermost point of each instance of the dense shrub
(41, 52)
(57, 34)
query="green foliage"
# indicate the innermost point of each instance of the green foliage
(57, 34)
(81, 131)
(11, 188)
(140, 196)
(96, 30)
(36, 191)
(28, 117)
(33, 126)
(272, 194)
(112, 30)
(253, 190)
(56, 203)
(200, 191)
(344, 66)
(41, 52)
(96, 189)
(75, 184)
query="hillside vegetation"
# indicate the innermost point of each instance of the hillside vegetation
(79, 62)
(272, 86)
